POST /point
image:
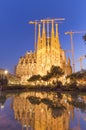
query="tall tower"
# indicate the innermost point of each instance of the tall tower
(41, 50)
(39, 38)
(49, 51)
(57, 37)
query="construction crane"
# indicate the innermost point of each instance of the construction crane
(80, 60)
(67, 50)
(35, 23)
(51, 20)
(42, 21)
(72, 45)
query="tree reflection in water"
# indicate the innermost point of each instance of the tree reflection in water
(56, 107)
(46, 111)
(41, 111)
(78, 101)
(2, 100)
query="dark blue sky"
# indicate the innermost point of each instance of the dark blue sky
(16, 35)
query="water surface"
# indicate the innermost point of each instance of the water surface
(42, 111)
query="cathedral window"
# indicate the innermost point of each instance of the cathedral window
(26, 62)
(21, 62)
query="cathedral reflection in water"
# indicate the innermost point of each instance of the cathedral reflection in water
(44, 111)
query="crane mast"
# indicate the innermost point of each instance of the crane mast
(35, 31)
(72, 46)
(80, 60)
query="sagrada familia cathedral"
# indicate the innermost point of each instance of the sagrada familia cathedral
(47, 52)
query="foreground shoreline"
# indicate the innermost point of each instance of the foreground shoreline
(44, 88)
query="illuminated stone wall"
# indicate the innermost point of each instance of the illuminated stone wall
(26, 66)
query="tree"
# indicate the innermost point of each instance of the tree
(56, 71)
(34, 78)
(78, 76)
(84, 38)
(47, 77)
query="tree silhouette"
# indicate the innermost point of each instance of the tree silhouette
(84, 38)
(34, 78)
(47, 77)
(56, 71)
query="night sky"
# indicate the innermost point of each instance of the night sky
(17, 36)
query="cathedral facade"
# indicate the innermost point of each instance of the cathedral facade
(48, 52)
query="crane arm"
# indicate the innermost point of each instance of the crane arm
(50, 20)
(71, 32)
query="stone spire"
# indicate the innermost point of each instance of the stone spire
(57, 36)
(52, 31)
(52, 36)
(68, 61)
(39, 38)
(43, 35)
(57, 31)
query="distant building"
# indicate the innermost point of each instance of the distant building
(2, 71)
(3, 77)
(48, 52)
(7, 78)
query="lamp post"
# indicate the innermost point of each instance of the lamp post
(6, 72)
(6, 78)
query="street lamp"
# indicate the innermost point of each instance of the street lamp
(5, 72)
(6, 77)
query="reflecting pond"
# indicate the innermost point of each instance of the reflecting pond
(42, 111)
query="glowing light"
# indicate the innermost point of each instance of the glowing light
(6, 72)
